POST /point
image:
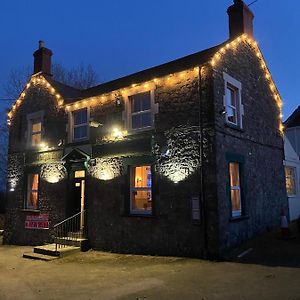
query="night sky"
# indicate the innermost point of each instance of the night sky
(121, 37)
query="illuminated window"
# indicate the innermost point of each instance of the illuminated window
(36, 132)
(232, 101)
(35, 129)
(80, 124)
(290, 181)
(32, 191)
(141, 116)
(235, 189)
(141, 190)
(79, 174)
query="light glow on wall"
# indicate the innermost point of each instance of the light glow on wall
(106, 168)
(53, 172)
(181, 158)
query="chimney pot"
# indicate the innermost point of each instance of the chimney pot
(41, 44)
(240, 19)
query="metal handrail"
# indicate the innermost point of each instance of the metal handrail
(70, 229)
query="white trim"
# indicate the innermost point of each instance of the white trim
(237, 85)
(30, 117)
(71, 125)
(127, 116)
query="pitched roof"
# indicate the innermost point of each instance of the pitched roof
(294, 119)
(193, 60)
(67, 92)
(71, 94)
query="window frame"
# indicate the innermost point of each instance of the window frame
(239, 159)
(295, 179)
(72, 126)
(127, 113)
(132, 188)
(235, 86)
(29, 191)
(30, 121)
(236, 213)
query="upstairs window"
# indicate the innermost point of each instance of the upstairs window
(36, 132)
(232, 101)
(235, 189)
(80, 124)
(290, 181)
(141, 116)
(35, 129)
(141, 190)
(32, 191)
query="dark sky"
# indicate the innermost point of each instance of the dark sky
(118, 37)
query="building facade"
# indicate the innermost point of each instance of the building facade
(181, 159)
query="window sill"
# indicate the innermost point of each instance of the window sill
(137, 215)
(235, 127)
(238, 219)
(30, 210)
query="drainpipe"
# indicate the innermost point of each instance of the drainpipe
(201, 154)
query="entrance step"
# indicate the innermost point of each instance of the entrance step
(48, 252)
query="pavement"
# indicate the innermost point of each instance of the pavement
(269, 268)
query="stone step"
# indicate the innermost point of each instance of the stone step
(37, 256)
(50, 250)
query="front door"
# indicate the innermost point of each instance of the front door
(78, 194)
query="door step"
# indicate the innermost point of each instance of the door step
(48, 252)
(76, 242)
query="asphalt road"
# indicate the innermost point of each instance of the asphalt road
(98, 275)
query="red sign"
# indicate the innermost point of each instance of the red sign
(37, 221)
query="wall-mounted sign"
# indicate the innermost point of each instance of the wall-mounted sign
(37, 221)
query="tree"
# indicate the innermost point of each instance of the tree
(80, 77)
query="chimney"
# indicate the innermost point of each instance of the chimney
(240, 19)
(42, 59)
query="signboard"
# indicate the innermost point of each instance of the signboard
(37, 221)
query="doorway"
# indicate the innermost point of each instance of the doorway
(77, 200)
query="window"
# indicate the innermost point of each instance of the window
(80, 124)
(140, 110)
(141, 116)
(141, 190)
(232, 101)
(235, 189)
(35, 129)
(36, 132)
(32, 191)
(290, 181)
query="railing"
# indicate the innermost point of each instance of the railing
(70, 229)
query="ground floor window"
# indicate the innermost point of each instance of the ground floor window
(141, 189)
(235, 189)
(290, 181)
(32, 191)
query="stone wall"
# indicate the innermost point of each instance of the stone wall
(259, 143)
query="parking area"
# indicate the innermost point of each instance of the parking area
(99, 275)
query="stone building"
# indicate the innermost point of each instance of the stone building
(185, 158)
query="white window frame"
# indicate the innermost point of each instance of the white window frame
(71, 126)
(236, 213)
(295, 180)
(39, 115)
(235, 85)
(127, 114)
(132, 188)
